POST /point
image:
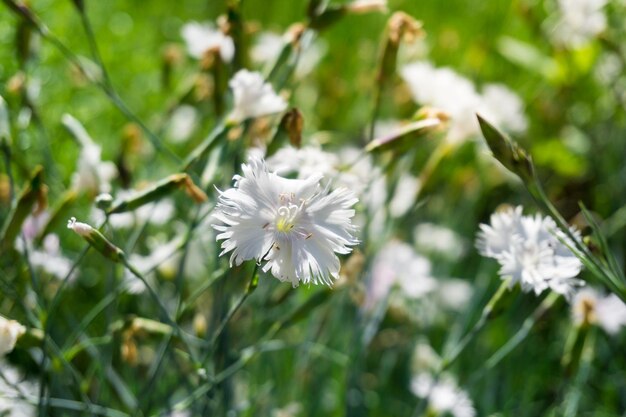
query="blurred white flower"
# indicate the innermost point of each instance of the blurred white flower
(454, 294)
(446, 90)
(182, 123)
(430, 237)
(443, 395)
(202, 37)
(290, 410)
(304, 162)
(404, 195)
(157, 213)
(163, 257)
(503, 108)
(579, 21)
(295, 226)
(92, 174)
(530, 252)
(253, 97)
(397, 263)
(608, 312)
(10, 331)
(268, 46)
(15, 391)
(367, 6)
(48, 257)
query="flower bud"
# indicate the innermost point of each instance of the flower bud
(5, 127)
(10, 331)
(291, 126)
(158, 191)
(508, 152)
(398, 139)
(104, 201)
(33, 196)
(367, 6)
(96, 240)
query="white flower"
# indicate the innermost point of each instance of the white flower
(454, 293)
(443, 395)
(579, 21)
(13, 388)
(202, 37)
(253, 97)
(530, 252)
(157, 213)
(268, 46)
(608, 312)
(430, 237)
(10, 331)
(163, 257)
(92, 174)
(182, 123)
(48, 258)
(446, 90)
(397, 263)
(503, 108)
(294, 226)
(367, 6)
(405, 195)
(304, 162)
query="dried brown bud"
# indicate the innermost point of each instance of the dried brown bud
(404, 27)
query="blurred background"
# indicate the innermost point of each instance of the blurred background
(334, 359)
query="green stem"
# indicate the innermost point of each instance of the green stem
(485, 316)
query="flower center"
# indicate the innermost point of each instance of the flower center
(286, 218)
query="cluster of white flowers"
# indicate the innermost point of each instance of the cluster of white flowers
(608, 312)
(253, 97)
(200, 38)
(293, 225)
(443, 395)
(446, 90)
(531, 251)
(10, 331)
(579, 21)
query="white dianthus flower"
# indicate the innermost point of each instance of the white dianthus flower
(531, 252)
(10, 331)
(608, 312)
(443, 395)
(202, 37)
(294, 226)
(253, 97)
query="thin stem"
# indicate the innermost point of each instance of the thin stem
(485, 316)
